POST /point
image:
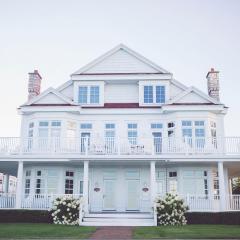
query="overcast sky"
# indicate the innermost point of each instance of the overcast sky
(58, 37)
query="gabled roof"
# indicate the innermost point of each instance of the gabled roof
(59, 98)
(121, 60)
(199, 95)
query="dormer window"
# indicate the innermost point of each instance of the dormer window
(152, 93)
(88, 95)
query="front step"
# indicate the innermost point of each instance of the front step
(115, 219)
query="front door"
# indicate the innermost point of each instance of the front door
(133, 195)
(109, 195)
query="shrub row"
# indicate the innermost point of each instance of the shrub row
(229, 218)
(24, 216)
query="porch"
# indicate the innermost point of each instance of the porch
(123, 186)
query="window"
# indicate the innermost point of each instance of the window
(81, 187)
(172, 174)
(86, 126)
(154, 94)
(196, 128)
(215, 183)
(30, 130)
(94, 94)
(40, 182)
(110, 130)
(171, 129)
(156, 125)
(160, 94)
(132, 133)
(89, 94)
(148, 94)
(52, 128)
(83, 95)
(69, 182)
(27, 182)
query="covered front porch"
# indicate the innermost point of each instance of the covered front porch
(121, 186)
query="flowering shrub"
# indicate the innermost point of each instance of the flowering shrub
(171, 210)
(65, 210)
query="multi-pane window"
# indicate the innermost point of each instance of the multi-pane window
(89, 94)
(196, 127)
(215, 183)
(52, 127)
(148, 94)
(27, 182)
(172, 181)
(94, 94)
(154, 94)
(160, 94)
(30, 130)
(156, 125)
(69, 181)
(83, 95)
(86, 126)
(186, 128)
(40, 182)
(132, 133)
(110, 130)
(171, 129)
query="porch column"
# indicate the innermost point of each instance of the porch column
(85, 185)
(153, 181)
(222, 189)
(19, 185)
(6, 183)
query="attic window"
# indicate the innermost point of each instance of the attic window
(154, 94)
(88, 95)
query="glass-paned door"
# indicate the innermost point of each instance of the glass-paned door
(157, 141)
(85, 141)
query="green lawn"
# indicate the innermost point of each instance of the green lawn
(189, 231)
(34, 230)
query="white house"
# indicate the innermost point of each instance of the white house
(119, 133)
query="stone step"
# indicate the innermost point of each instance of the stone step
(119, 215)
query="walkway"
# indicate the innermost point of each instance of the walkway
(113, 233)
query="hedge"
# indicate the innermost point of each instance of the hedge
(41, 216)
(24, 216)
(228, 218)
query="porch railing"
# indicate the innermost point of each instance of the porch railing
(120, 146)
(195, 203)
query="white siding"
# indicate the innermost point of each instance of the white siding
(192, 98)
(174, 91)
(121, 93)
(50, 99)
(68, 91)
(121, 62)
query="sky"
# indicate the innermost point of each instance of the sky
(186, 37)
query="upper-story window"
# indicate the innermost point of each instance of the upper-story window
(89, 95)
(191, 127)
(109, 130)
(49, 129)
(132, 133)
(154, 94)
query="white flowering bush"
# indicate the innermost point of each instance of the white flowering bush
(171, 210)
(65, 210)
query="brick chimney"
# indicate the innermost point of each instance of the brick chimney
(34, 84)
(213, 83)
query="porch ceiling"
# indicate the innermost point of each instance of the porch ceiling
(9, 167)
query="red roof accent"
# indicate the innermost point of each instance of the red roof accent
(115, 73)
(46, 104)
(122, 105)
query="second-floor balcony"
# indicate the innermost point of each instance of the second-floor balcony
(121, 146)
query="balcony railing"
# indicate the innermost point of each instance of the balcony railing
(120, 146)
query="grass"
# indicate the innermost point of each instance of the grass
(189, 231)
(35, 230)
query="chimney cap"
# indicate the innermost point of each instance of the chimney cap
(35, 72)
(212, 70)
